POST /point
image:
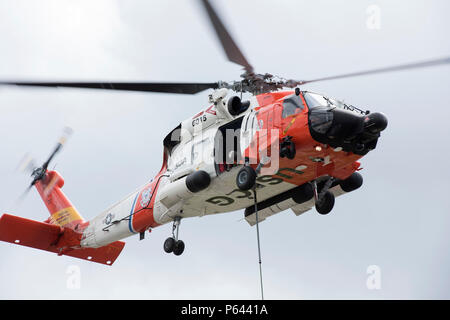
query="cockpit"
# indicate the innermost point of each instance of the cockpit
(323, 110)
(340, 125)
(320, 108)
(317, 100)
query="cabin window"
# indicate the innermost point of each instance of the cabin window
(198, 149)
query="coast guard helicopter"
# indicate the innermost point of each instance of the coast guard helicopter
(283, 148)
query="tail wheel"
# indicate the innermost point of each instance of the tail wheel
(326, 204)
(246, 178)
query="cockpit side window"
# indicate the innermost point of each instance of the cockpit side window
(291, 105)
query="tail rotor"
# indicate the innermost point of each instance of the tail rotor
(28, 164)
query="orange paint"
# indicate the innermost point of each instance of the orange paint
(314, 163)
(62, 211)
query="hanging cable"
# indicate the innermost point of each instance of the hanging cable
(259, 246)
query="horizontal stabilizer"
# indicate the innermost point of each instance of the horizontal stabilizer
(44, 236)
(28, 232)
(105, 255)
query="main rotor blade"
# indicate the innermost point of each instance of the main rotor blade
(233, 52)
(423, 64)
(166, 87)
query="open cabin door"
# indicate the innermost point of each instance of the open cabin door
(227, 145)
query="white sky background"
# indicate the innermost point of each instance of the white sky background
(398, 220)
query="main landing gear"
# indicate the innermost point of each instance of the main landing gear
(172, 244)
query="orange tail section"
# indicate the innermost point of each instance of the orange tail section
(61, 233)
(50, 237)
(62, 211)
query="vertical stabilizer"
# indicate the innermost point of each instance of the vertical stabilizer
(62, 211)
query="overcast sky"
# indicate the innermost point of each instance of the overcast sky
(397, 221)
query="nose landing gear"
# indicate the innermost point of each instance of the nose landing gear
(172, 244)
(324, 199)
(325, 204)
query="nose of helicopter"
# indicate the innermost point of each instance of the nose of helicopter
(353, 131)
(348, 124)
(375, 122)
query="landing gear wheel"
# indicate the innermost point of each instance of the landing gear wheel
(326, 204)
(246, 177)
(169, 245)
(178, 248)
(172, 244)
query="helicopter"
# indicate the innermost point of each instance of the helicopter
(283, 148)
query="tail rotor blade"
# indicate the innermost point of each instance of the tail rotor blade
(27, 164)
(23, 195)
(62, 140)
(37, 173)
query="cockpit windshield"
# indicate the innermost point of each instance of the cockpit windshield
(338, 103)
(320, 112)
(316, 100)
